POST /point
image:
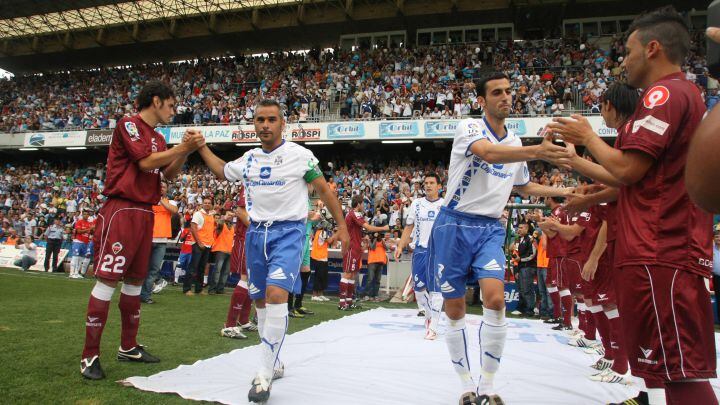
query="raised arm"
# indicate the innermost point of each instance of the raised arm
(539, 190)
(214, 163)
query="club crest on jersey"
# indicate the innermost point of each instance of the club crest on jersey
(117, 247)
(278, 161)
(656, 96)
(265, 172)
(132, 131)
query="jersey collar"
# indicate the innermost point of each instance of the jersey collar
(274, 149)
(487, 125)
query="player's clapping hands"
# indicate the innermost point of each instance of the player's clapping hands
(555, 154)
(578, 200)
(575, 129)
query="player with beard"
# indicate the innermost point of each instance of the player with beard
(487, 162)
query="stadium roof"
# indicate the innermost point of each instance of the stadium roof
(34, 17)
(52, 35)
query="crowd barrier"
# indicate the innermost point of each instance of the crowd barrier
(420, 129)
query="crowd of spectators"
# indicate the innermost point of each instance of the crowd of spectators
(549, 77)
(32, 196)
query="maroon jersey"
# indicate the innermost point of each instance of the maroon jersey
(557, 246)
(133, 140)
(240, 227)
(657, 222)
(592, 223)
(355, 221)
(575, 246)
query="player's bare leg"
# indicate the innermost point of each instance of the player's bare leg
(272, 323)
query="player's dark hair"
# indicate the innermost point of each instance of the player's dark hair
(152, 89)
(667, 27)
(434, 176)
(356, 201)
(269, 102)
(558, 200)
(481, 84)
(622, 97)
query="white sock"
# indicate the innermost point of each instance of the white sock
(656, 396)
(493, 330)
(85, 265)
(457, 344)
(204, 279)
(178, 272)
(436, 303)
(261, 316)
(74, 265)
(423, 303)
(273, 337)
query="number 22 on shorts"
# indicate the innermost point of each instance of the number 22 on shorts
(112, 264)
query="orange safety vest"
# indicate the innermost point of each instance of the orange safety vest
(12, 241)
(224, 241)
(161, 225)
(378, 254)
(206, 234)
(319, 251)
(542, 259)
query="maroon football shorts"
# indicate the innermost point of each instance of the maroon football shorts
(603, 288)
(352, 261)
(123, 240)
(553, 271)
(238, 263)
(668, 322)
(570, 276)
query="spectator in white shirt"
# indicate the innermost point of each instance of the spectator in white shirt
(28, 254)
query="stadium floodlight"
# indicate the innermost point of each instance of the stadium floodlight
(398, 141)
(27, 149)
(319, 143)
(76, 148)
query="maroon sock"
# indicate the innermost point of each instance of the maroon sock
(343, 292)
(130, 315)
(555, 297)
(350, 292)
(620, 363)
(603, 326)
(567, 304)
(97, 314)
(686, 392)
(236, 305)
(590, 326)
(246, 307)
(581, 320)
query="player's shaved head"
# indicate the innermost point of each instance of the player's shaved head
(667, 27)
(269, 123)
